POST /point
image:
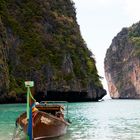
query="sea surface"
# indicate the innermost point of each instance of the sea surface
(106, 120)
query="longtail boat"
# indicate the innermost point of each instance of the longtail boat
(44, 121)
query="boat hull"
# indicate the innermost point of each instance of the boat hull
(44, 125)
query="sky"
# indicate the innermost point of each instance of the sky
(101, 20)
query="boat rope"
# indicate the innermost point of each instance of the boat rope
(32, 96)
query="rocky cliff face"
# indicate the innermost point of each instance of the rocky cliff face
(122, 64)
(40, 40)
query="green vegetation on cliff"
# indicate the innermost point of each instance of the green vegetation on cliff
(43, 43)
(134, 36)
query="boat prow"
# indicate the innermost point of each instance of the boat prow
(47, 121)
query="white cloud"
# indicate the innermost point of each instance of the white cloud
(92, 3)
(104, 2)
(132, 8)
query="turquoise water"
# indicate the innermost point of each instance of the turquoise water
(107, 120)
(8, 115)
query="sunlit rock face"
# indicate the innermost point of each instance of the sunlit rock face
(122, 64)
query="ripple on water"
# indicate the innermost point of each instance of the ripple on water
(108, 120)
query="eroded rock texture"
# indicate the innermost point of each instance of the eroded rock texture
(122, 64)
(40, 40)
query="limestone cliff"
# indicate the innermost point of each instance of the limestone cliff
(40, 40)
(122, 64)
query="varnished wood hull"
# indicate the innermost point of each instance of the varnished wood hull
(44, 125)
